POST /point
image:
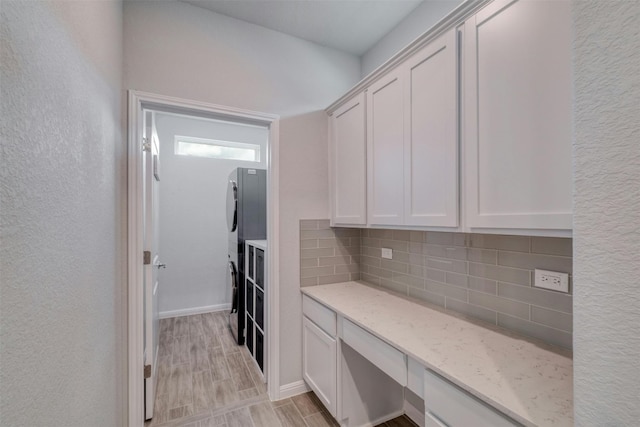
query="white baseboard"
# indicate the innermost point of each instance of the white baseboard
(415, 414)
(194, 310)
(293, 389)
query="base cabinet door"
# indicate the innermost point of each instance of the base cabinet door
(319, 363)
(517, 115)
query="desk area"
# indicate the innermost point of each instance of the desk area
(460, 368)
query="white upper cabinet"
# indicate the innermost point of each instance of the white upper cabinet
(348, 163)
(385, 152)
(431, 135)
(517, 115)
(470, 133)
(412, 140)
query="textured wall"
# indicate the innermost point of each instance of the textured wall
(193, 213)
(607, 219)
(410, 28)
(61, 196)
(177, 49)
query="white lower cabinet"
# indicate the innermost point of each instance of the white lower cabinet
(447, 405)
(319, 363)
(359, 377)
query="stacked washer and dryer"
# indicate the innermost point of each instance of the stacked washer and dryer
(247, 220)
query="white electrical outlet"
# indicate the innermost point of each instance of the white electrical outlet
(387, 253)
(552, 280)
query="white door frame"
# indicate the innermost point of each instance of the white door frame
(137, 102)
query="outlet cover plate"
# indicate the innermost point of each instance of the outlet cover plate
(387, 253)
(552, 280)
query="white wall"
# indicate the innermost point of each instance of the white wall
(62, 174)
(410, 28)
(181, 50)
(193, 213)
(307, 187)
(606, 219)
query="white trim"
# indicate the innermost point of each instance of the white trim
(136, 103)
(293, 389)
(194, 310)
(415, 414)
(135, 344)
(273, 263)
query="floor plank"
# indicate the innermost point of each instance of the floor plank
(166, 327)
(181, 350)
(239, 418)
(239, 371)
(180, 412)
(203, 391)
(195, 326)
(262, 415)
(228, 343)
(198, 354)
(225, 393)
(289, 415)
(180, 388)
(209, 324)
(218, 364)
(307, 404)
(320, 419)
(180, 326)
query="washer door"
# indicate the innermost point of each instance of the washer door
(232, 206)
(233, 278)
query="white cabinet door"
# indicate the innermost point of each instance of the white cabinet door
(517, 111)
(347, 161)
(385, 159)
(319, 361)
(431, 136)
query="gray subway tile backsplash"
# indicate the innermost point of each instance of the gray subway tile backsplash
(328, 255)
(504, 274)
(499, 304)
(488, 277)
(536, 330)
(552, 246)
(554, 319)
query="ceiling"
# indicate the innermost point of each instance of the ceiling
(352, 26)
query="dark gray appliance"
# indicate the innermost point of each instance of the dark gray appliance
(247, 220)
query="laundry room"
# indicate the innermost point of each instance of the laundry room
(197, 156)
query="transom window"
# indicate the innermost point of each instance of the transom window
(216, 149)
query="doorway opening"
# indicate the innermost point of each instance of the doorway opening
(191, 165)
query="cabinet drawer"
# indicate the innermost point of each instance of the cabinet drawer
(456, 408)
(320, 315)
(385, 357)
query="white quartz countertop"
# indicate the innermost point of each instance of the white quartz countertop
(528, 382)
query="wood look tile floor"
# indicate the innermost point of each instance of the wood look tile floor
(206, 380)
